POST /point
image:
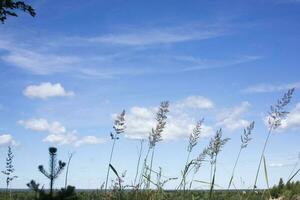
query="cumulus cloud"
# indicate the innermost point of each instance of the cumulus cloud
(6, 140)
(42, 125)
(61, 139)
(46, 90)
(89, 140)
(140, 120)
(195, 102)
(263, 88)
(58, 134)
(231, 119)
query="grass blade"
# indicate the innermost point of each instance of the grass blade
(293, 175)
(266, 172)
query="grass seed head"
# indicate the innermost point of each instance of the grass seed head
(194, 136)
(161, 117)
(245, 138)
(277, 112)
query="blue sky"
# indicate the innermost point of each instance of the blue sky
(68, 71)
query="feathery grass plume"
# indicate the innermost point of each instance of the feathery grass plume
(119, 127)
(9, 170)
(54, 170)
(194, 136)
(155, 135)
(161, 117)
(214, 148)
(275, 116)
(245, 139)
(193, 140)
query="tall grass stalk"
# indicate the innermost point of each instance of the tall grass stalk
(275, 117)
(155, 135)
(119, 127)
(67, 170)
(138, 163)
(9, 171)
(214, 148)
(245, 139)
(193, 140)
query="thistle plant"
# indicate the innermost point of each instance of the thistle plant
(119, 128)
(275, 116)
(193, 140)
(214, 148)
(245, 139)
(9, 170)
(55, 168)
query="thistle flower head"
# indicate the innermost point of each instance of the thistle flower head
(245, 138)
(161, 117)
(277, 112)
(194, 136)
(52, 150)
(215, 145)
(119, 125)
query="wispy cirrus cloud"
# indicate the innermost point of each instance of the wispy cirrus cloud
(263, 88)
(32, 59)
(159, 35)
(128, 51)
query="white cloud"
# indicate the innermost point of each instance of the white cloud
(61, 139)
(195, 102)
(231, 119)
(89, 140)
(263, 88)
(58, 134)
(6, 140)
(140, 121)
(46, 90)
(72, 138)
(279, 165)
(42, 125)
